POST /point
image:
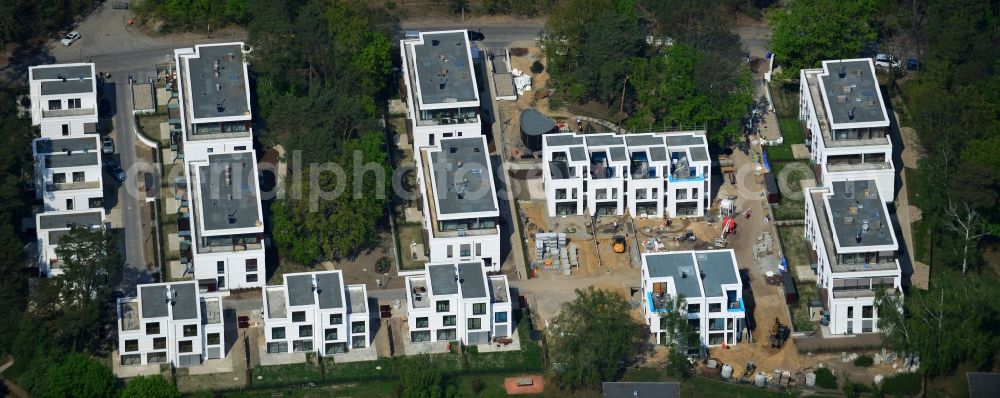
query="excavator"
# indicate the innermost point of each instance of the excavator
(619, 244)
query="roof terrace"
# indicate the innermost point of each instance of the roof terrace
(228, 192)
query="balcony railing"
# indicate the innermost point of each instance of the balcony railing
(67, 186)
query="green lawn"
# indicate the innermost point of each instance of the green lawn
(791, 132)
(284, 375)
(793, 244)
(921, 229)
(785, 97)
(409, 232)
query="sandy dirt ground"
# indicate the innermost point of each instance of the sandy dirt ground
(536, 387)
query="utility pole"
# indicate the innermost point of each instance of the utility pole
(621, 103)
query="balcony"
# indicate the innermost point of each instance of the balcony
(851, 166)
(859, 293)
(658, 302)
(69, 186)
(69, 112)
(419, 297)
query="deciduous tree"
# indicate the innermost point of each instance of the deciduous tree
(149, 386)
(809, 31)
(593, 339)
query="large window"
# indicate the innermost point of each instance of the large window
(714, 307)
(156, 357)
(336, 348)
(131, 345)
(160, 343)
(55, 105)
(185, 346)
(336, 319)
(305, 331)
(251, 264)
(422, 322)
(443, 306)
(59, 178)
(475, 323)
(417, 337)
(153, 328)
(694, 308)
(190, 330)
(299, 316)
(478, 309)
(213, 339)
(465, 250)
(78, 176)
(447, 335)
(277, 348)
(302, 345)
(449, 320)
(358, 342)
(357, 327)
(330, 334)
(500, 316)
(867, 311)
(277, 333)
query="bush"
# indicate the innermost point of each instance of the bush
(901, 385)
(854, 390)
(863, 361)
(825, 379)
(537, 67)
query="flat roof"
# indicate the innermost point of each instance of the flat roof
(358, 299)
(154, 301)
(719, 269)
(228, 203)
(59, 145)
(603, 140)
(657, 154)
(52, 72)
(56, 220)
(299, 289)
(563, 140)
(442, 278)
(643, 140)
(641, 390)
(856, 92)
(185, 304)
(699, 154)
(331, 294)
(444, 68)
(859, 215)
(276, 305)
(983, 384)
(473, 280)
(462, 176)
(70, 86)
(684, 139)
(676, 265)
(56, 160)
(211, 311)
(223, 95)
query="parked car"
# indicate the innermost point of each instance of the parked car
(115, 169)
(70, 38)
(476, 36)
(886, 61)
(107, 145)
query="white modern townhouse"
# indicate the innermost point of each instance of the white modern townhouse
(225, 227)
(709, 282)
(316, 312)
(460, 209)
(68, 173)
(458, 302)
(440, 86)
(850, 237)
(847, 125)
(171, 322)
(652, 175)
(51, 226)
(63, 99)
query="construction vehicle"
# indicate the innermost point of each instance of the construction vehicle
(619, 244)
(687, 236)
(779, 333)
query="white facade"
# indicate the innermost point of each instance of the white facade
(652, 175)
(847, 124)
(458, 302)
(171, 322)
(63, 99)
(316, 312)
(68, 173)
(709, 283)
(851, 238)
(432, 119)
(460, 207)
(53, 225)
(220, 167)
